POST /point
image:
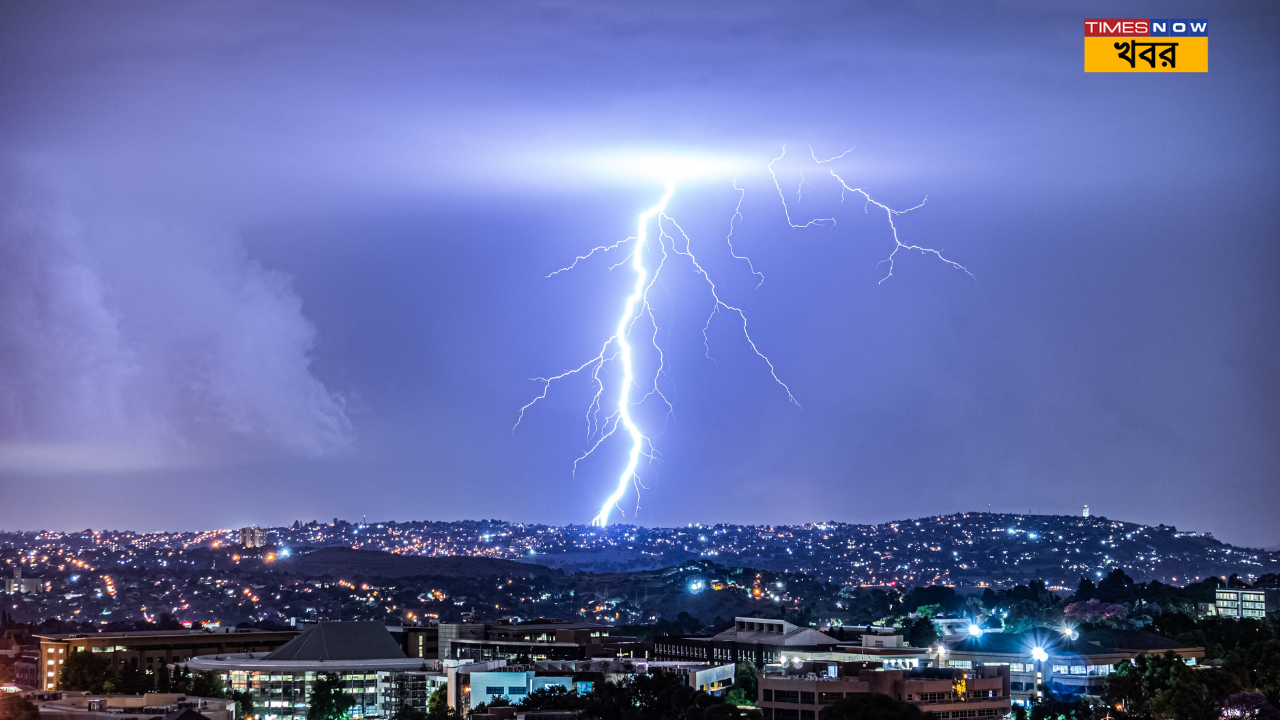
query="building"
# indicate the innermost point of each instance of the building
(749, 640)
(1065, 667)
(13, 642)
(26, 669)
(800, 691)
(1246, 602)
(363, 655)
(412, 688)
(1086, 511)
(149, 649)
(18, 584)
(420, 641)
(540, 639)
(766, 642)
(252, 537)
(151, 706)
(474, 683)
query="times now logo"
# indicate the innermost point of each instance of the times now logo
(1135, 27)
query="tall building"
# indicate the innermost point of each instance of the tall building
(1086, 511)
(1246, 602)
(252, 537)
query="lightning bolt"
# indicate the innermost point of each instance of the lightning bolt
(671, 239)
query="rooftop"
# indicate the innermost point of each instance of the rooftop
(329, 641)
(1093, 642)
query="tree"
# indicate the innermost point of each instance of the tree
(244, 703)
(941, 596)
(1162, 686)
(14, 707)
(746, 681)
(1249, 705)
(86, 671)
(923, 633)
(438, 706)
(164, 678)
(871, 706)
(1116, 587)
(552, 697)
(328, 701)
(494, 703)
(1258, 668)
(684, 624)
(167, 622)
(1084, 591)
(208, 684)
(1053, 709)
(133, 681)
(654, 696)
(181, 680)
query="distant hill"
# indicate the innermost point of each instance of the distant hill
(971, 549)
(345, 563)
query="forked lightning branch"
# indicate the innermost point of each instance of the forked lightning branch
(659, 238)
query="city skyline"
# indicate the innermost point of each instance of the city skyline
(266, 263)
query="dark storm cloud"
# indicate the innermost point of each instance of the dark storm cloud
(223, 219)
(136, 347)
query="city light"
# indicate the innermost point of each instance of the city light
(1039, 655)
(975, 630)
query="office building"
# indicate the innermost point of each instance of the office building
(1246, 602)
(541, 639)
(149, 649)
(363, 655)
(1067, 667)
(800, 691)
(474, 683)
(253, 537)
(766, 642)
(749, 640)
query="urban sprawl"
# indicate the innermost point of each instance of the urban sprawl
(968, 615)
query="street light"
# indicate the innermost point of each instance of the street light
(1039, 655)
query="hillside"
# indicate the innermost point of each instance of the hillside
(340, 562)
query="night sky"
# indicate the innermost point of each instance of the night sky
(262, 262)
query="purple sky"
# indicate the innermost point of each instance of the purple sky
(272, 261)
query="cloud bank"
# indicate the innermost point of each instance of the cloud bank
(126, 347)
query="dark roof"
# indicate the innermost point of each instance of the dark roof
(1092, 642)
(1005, 643)
(185, 633)
(341, 641)
(1129, 640)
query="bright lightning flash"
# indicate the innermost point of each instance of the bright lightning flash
(636, 306)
